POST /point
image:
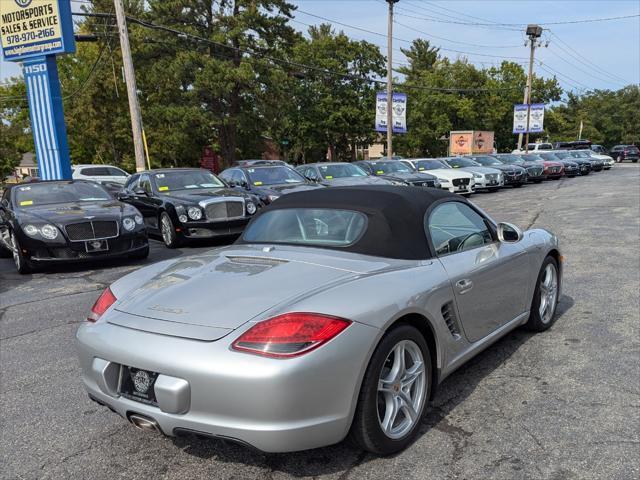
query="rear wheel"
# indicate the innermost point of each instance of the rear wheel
(619, 159)
(545, 297)
(168, 231)
(394, 393)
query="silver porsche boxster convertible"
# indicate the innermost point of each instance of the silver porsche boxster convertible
(336, 314)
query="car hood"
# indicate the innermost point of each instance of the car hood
(508, 168)
(199, 195)
(206, 296)
(448, 173)
(408, 176)
(65, 213)
(482, 170)
(354, 181)
(283, 189)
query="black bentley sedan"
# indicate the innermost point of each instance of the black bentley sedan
(67, 221)
(188, 203)
(339, 174)
(268, 180)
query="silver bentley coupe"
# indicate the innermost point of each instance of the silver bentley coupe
(335, 315)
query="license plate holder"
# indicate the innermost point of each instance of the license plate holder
(137, 384)
(92, 246)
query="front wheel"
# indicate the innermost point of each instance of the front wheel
(517, 185)
(168, 231)
(22, 264)
(545, 297)
(394, 393)
(619, 159)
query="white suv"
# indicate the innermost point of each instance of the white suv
(99, 173)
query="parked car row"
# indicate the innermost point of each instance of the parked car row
(97, 216)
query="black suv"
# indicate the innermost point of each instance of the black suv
(620, 153)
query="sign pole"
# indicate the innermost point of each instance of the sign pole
(34, 33)
(390, 80)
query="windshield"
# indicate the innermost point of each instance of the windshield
(532, 157)
(340, 170)
(509, 158)
(380, 168)
(579, 155)
(52, 193)
(307, 226)
(551, 157)
(422, 165)
(273, 176)
(186, 180)
(487, 161)
(458, 162)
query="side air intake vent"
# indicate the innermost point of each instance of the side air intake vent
(449, 315)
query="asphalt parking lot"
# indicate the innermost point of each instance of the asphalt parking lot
(563, 404)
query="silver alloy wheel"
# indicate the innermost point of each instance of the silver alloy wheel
(548, 293)
(401, 389)
(165, 227)
(14, 250)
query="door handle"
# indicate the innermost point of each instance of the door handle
(464, 285)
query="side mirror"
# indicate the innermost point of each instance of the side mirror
(243, 183)
(509, 233)
(140, 192)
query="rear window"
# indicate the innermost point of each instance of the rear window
(307, 226)
(632, 149)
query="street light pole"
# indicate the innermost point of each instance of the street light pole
(132, 89)
(390, 79)
(533, 32)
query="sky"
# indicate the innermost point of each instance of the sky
(582, 56)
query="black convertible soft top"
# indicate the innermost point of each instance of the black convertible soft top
(395, 216)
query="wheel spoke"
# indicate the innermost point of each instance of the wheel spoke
(390, 413)
(412, 374)
(406, 405)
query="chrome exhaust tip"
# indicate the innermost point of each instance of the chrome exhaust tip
(144, 423)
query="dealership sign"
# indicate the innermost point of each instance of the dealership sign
(35, 27)
(399, 112)
(34, 32)
(536, 118)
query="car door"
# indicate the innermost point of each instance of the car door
(489, 278)
(147, 202)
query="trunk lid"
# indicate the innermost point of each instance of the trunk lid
(207, 296)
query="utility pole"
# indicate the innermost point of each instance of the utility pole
(132, 89)
(533, 32)
(390, 80)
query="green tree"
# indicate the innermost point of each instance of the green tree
(15, 132)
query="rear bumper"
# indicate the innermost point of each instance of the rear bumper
(273, 405)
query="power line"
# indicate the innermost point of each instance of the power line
(405, 40)
(496, 24)
(580, 68)
(589, 62)
(554, 72)
(455, 41)
(363, 78)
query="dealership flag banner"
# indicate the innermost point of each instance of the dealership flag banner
(34, 32)
(520, 118)
(536, 118)
(399, 112)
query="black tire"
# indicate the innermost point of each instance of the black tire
(537, 181)
(5, 252)
(141, 254)
(517, 185)
(23, 266)
(168, 231)
(635, 160)
(366, 432)
(619, 159)
(536, 322)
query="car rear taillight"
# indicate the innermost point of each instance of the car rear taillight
(290, 335)
(105, 300)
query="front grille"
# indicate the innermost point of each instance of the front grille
(460, 181)
(78, 232)
(492, 176)
(217, 211)
(534, 172)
